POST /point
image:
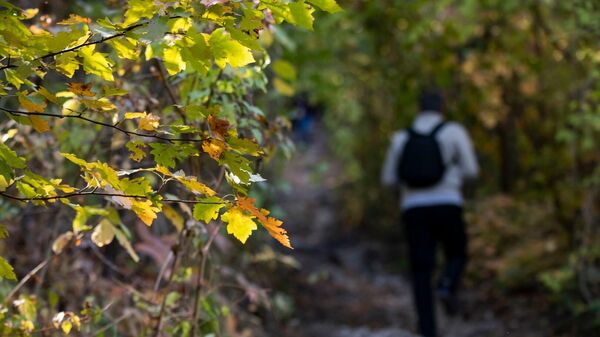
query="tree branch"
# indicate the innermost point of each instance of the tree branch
(107, 125)
(102, 194)
(89, 43)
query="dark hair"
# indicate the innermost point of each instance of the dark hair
(431, 99)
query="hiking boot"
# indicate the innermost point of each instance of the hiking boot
(449, 301)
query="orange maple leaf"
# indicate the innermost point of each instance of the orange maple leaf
(247, 204)
(274, 228)
(81, 89)
(272, 225)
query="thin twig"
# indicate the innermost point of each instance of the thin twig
(200, 278)
(163, 270)
(25, 279)
(111, 324)
(176, 254)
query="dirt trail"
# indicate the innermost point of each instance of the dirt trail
(343, 288)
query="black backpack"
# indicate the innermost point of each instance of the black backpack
(421, 164)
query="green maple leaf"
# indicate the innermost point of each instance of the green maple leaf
(208, 209)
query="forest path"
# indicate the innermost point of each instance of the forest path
(343, 288)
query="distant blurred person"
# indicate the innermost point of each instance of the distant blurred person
(429, 163)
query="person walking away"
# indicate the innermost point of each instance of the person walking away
(430, 162)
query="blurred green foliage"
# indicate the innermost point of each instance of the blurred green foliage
(521, 75)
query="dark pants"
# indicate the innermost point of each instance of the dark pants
(425, 227)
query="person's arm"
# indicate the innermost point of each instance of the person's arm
(466, 158)
(389, 172)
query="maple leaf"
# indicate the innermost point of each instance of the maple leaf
(74, 19)
(39, 124)
(208, 209)
(214, 148)
(247, 204)
(218, 126)
(226, 50)
(81, 89)
(274, 228)
(149, 122)
(30, 105)
(195, 186)
(272, 225)
(145, 211)
(137, 150)
(239, 224)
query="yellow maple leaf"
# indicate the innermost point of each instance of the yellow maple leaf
(145, 210)
(149, 122)
(214, 148)
(195, 186)
(239, 224)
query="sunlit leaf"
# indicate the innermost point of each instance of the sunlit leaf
(301, 14)
(67, 63)
(11, 157)
(239, 224)
(227, 50)
(138, 9)
(330, 6)
(96, 63)
(145, 210)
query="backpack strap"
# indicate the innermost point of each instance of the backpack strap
(433, 132)
(437, 128)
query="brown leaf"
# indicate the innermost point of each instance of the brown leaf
(218, 126)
